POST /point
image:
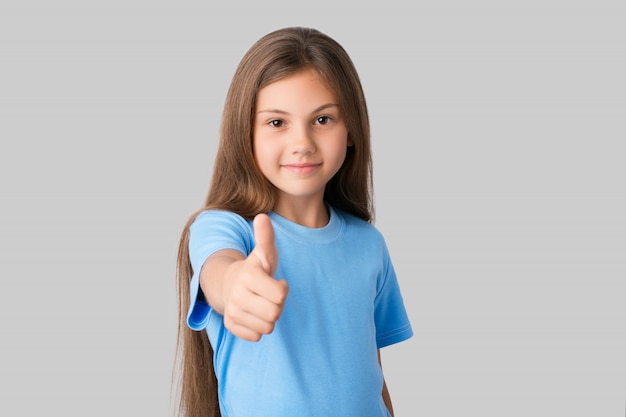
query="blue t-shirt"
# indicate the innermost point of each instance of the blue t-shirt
(344, 303)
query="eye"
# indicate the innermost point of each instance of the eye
(323, 120)
(276, 123)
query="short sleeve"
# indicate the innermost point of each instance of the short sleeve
(212, 231)
(392, 322)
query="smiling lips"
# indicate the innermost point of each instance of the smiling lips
(301, 169)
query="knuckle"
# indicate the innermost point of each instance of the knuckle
(267, 328)
(232, 316)
(229, 323)
(274, 314)
(281, 296)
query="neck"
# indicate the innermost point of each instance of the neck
(305, 213)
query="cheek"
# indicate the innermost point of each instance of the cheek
(264, 155)
(342, 155)
(339, 153)
(341, 150)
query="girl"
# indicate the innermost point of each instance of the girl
(286, 289)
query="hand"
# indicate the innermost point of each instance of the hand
(253, 299)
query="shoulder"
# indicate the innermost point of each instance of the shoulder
(219, 216)
(360, 227)
(217, 221)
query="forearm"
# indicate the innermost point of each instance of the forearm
(213, 274)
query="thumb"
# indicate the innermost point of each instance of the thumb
(265, 249)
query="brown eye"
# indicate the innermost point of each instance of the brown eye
(322, 120)
(276, 123)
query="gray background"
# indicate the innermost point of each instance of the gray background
(498, 132)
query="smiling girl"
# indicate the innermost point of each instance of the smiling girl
(286, 288)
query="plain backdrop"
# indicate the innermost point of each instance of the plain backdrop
(498, 134)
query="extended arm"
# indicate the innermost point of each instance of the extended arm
(243, 289)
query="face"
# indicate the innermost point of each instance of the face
(300, 137)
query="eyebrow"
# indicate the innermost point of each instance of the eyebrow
(320, 108)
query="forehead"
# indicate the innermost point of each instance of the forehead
(297, 91)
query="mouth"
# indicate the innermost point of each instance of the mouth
(305, 168)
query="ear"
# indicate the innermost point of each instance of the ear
(350, 142)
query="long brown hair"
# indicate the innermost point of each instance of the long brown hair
(239, 186)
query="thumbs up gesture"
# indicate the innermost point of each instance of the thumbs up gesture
(253, 299)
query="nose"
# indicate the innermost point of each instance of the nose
(302, 142)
